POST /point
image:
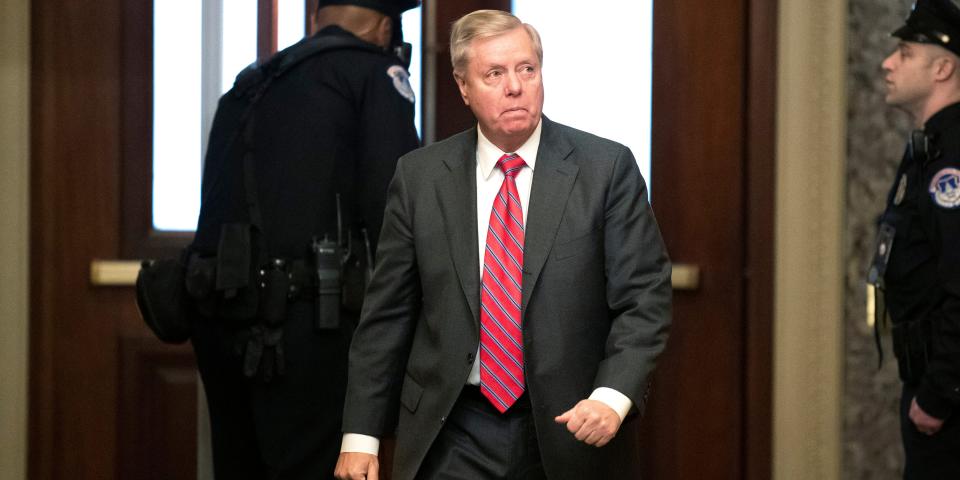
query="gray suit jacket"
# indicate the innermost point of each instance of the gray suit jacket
(596, 298)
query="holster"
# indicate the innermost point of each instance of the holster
(912, 343)
(326, 258)
(162, 299)
(223, 284)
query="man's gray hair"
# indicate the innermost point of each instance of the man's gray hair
(484, 24)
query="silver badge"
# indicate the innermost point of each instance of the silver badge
(901, 190)
(401, 81)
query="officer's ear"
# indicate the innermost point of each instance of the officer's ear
(945, 66)
(384, 31)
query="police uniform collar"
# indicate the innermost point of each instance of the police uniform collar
(336, 30)
(940, 121)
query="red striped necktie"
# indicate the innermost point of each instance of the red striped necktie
(501, 338)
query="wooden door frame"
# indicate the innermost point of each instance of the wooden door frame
(761, 100)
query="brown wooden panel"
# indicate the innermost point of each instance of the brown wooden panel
(452, 116)
(694, 424)
(759, 210)
(266, 29)
(158, 411)
(76, 130)
(74, 212)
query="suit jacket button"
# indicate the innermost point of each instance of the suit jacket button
(443, 419)
(470, 357)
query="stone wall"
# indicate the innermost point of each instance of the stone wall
(876, 138)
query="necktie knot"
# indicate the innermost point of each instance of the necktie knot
(511, 164)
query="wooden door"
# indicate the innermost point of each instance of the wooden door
(712, 169)
(108, 401)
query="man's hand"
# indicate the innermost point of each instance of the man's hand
(592, 422)
(924, 422)
(357, 466)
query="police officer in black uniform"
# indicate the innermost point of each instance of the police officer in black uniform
(299, 177)
(917, 259)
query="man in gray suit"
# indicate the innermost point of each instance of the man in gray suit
(495, 343)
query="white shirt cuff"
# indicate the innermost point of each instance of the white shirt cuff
(355, 442)
(613, 399)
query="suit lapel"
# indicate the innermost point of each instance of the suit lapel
(553, 180)
(457, 198)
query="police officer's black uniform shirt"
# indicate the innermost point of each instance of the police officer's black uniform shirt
(335, 123)
(923, 274)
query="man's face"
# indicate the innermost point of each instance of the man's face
(909, 76)
(503, 87)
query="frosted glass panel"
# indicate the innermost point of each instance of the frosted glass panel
(411, 21)
(291, 26)
(597, 67)
(176, 114)
(239, 39)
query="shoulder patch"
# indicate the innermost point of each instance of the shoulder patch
(401, 81)
(945, 188)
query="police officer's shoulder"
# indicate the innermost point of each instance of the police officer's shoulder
(359, 61)
(942, 172)
(944, 129)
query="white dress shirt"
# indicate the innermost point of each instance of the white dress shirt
(489, 180)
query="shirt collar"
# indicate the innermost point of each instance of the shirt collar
(941, 120)
(488, 154)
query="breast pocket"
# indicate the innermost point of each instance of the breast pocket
(589, 242)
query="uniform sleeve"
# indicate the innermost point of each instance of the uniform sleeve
(387, 132)
(939, 392)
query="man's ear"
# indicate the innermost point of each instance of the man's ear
(946, 67)
(384, 31)
(462, 85)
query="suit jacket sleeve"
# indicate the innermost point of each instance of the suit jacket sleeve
(638, 284)
(381, 343)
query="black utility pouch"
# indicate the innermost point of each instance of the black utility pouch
(326, 257)
(162, 299)
(274, 288)
(237, 295)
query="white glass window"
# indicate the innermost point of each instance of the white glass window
(291, 22)
(597, 67)
(199, 47)
(412, 32)
(238, 42)
(176, 113)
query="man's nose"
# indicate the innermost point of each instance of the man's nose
(513, 85)
(887, 64)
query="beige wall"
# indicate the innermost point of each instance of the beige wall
(14, 180)
(811, 123)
